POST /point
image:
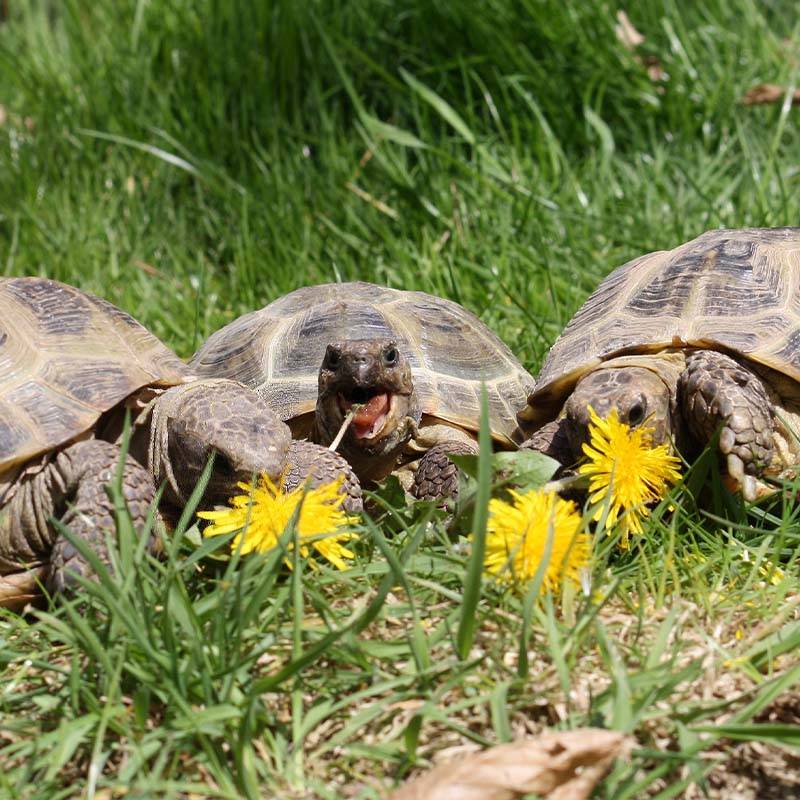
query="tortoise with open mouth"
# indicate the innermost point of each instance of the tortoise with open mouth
(406, 367)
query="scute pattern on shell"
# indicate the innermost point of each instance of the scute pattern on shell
(731, 290)
(66, 357)
(278, 351)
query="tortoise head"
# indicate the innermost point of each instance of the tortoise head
(639, 395)
(374, 376)
(219, 416)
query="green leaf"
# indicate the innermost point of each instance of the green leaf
(46, 702)
(498, 705)
(391, 133)
(391, 492)
(158, 152)
(525, 468)
(786, 640)
(208, 720)
(467, 464)
(602, 130)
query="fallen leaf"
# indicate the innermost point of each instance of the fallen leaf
(631, 39)
(562, 765)
(765, 93)
(626, 33)
(21, 588)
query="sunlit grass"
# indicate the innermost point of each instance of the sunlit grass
(193, 160)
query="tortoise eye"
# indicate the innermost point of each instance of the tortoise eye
(390, 356)
(636, 414)
(332, 357)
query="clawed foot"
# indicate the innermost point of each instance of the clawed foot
(718, 393)
(748, 484)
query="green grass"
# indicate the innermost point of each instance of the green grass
(193, 160)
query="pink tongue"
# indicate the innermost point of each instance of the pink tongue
(366, 416)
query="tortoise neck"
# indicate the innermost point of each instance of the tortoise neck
(149, 443)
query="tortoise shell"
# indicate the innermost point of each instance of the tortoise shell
(279, 349)
(66, 357)
(731, 290)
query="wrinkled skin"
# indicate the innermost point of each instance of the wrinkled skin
(374, 375)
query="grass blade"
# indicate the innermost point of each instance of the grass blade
(474, 572)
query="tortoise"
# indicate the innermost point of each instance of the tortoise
(701, 339)
(406, 366)
(70, 364)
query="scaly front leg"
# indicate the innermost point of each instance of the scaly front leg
(316, 464)
(71, 489)
(553, 440)
(716, 392)
(436, 476)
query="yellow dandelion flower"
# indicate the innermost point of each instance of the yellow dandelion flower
(517, 535)
(625, 472)
(263, 512)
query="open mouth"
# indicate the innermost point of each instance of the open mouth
(374, 408)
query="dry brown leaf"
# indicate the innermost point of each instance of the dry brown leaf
(765, 93)
(631, 39)
(626, 33)
(21, 588)
(563, 765)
